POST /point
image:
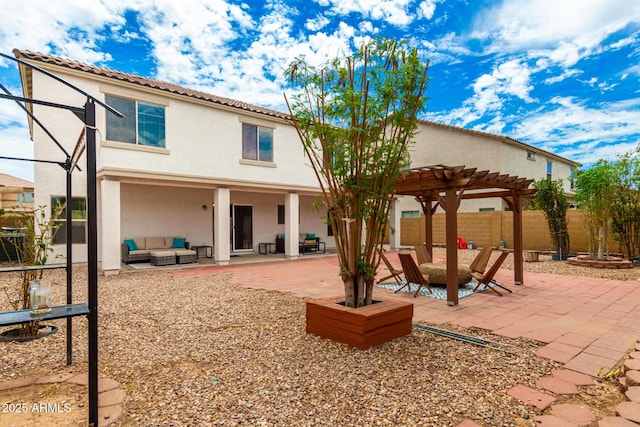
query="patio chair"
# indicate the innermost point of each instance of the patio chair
(487, 278)
(393, 272)
(479, 264)
(412, 274)
(422, 255)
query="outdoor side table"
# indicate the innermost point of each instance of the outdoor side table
(263, 248)
(203, 251)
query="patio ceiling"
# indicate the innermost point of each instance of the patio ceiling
(431, 180)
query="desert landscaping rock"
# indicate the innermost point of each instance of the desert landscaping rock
(204, 351)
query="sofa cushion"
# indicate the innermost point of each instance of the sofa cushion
(182, 252)
(139, 252)
(131, 244)
(141, 243)
(155, 242)
(179, 242)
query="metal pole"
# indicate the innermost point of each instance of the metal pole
(69, 218)
(92, 255)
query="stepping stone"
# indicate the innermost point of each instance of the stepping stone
(616, 422)
(629, 410)
(56, 378)
(634, 355)
(572, 376)
(111, 397)
(20, 382)
(551, 421)
(631, 365)
(531, 397)
(556, 385)
(633, 394)
(468, 423)
(573, 413)
(109, 414)
(633, 378)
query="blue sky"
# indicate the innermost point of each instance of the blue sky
(561, 75)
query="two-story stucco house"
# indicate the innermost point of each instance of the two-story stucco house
(217, 171)
(182, 163)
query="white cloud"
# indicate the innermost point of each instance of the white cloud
(394, 12)
(567, 127)
(426, 9)
(65, 27)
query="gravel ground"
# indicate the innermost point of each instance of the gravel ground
(201, 351)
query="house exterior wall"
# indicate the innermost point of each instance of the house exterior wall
(439, 144)
(161, 191)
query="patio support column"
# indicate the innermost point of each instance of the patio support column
(518, 266)
(451, 220)
(291, 225)
(394, 223)
(221, 226)
(110, 226)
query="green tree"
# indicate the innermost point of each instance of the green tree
(595, 194)
(356, 117)
(551, 200)
(625, 207)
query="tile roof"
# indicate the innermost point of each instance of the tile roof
(14, 181)
(143, 81)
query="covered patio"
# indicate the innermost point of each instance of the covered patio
(446, 186)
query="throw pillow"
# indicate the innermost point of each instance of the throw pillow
(131, 244)
(311, 236)
(179, 242)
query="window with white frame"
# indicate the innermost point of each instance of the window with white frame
(143, 123)
(257, 143)
(25, 197)
(549, 168)
(78, 220)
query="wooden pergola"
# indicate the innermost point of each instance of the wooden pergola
(446, 186)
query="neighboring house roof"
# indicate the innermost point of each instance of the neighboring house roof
(179, 90)
(14, 181)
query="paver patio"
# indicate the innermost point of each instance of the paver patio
(586, 323)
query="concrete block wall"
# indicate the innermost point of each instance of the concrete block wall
(487, 228)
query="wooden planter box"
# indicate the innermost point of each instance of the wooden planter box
(363, 327)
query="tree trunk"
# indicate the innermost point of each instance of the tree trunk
(601, 241)
(349, 291)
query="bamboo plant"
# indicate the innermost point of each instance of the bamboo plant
(356, 117)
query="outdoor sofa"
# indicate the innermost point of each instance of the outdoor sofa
(158, 250)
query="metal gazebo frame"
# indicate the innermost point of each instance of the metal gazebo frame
(86, 114)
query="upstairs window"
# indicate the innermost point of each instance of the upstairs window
(549, 168)
(143, 124)
(257, 143)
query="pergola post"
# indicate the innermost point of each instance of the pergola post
(451, 220)
(428, 224)
(518, 264)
